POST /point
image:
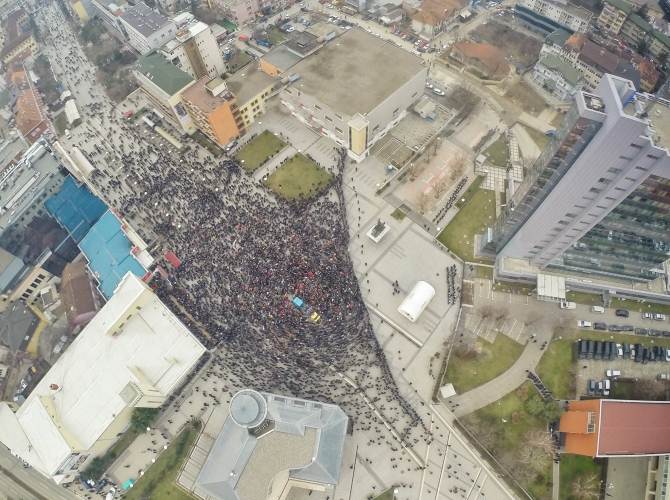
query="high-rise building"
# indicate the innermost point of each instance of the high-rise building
(194, 48)
(597, 200)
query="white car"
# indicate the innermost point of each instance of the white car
(659, 317)
(438, 91)
(584, 324)
(429, 85)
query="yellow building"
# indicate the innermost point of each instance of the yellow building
(80, 10)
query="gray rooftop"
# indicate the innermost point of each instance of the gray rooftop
(303, 438)
(167, 76)
(144, 19)
(355, 72)
(248, 83)
(281, 58)
(23, 182)
(302, 42)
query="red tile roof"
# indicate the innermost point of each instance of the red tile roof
(490, 56)
(435, 12)
(634, 428)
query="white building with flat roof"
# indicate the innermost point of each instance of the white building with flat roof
(145, 28)
(132, 354)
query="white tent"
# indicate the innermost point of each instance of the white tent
(417, 300)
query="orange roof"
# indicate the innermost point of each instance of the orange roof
(490, 56)
(648, 71)
(576, 41)
(574, 424)
(435, 12)
(29, 116)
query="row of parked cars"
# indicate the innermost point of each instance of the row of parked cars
(598, 325)
(603, 350)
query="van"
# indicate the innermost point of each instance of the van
(598, 309)
(567, 305)
(583, 324)
(613, 373)
(606, 384)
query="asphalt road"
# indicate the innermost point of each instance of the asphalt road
(17, 482)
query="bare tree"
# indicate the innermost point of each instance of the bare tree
(423, 202)
(440, 188)
(586, 487)
(457, 166)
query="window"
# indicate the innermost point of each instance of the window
(329, 118)
(613, 170)
(395, 111)
(594, 190)
(317, 106)
(338, 130)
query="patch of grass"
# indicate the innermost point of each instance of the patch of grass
(398, 214)
(589, 299)
(387, 495)
(205, 142)
(484, 272)
(638, 306)
(498, 152)
(556, 369)
(473, 218)
(511, 287)
(578, 474)
(259, 150)
(238, 61)
(60, 123)
(504, 428)
(160, 480)
(538, 137)
(470, 192)
(275, 36)
(99, 465)
(524, 96)
(298, 178)
(473, 366)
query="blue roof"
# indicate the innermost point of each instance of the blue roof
(108, 251)
(75, 208)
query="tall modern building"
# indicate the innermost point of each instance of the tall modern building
(597, 200)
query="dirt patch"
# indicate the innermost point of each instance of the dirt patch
(522, 50)
(525, 97)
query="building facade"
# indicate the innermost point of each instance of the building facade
(597, 199)
(550, 15)
(214, 111)
(194, 48)
(557, 77)
(163, 84)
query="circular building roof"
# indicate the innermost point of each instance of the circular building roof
(248, 408)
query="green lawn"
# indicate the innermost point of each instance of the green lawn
(503, 428)
(60, 123)
(584, 471)
(498, 152)
(464, 199)
(398, 214)
(99, 465)
(387, 495)
(473, 218)
(590, 299)
(259, 150)
(472, 368)
(634, 305)
(275, 36)
(556, 369)
(159, 480)
(298, 178)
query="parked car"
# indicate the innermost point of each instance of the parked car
(622, 313)
(613, 373)
(567, 305)
(647, 315)
(659, 317)
(598, 309)
(584, 324)
(599, 326)
(437, 91)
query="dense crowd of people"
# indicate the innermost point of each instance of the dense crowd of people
(243, 254)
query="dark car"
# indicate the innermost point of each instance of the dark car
(642, 331)
(596, 350)
(603, 350)
(611, 350)
(655, 333)
(599, 326)
(626, 349)
(638, 353)
(590, 348)
(623, 313)
(592, 385)
(581, 349)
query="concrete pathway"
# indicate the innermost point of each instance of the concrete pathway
(556, 473)
(505, 383)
